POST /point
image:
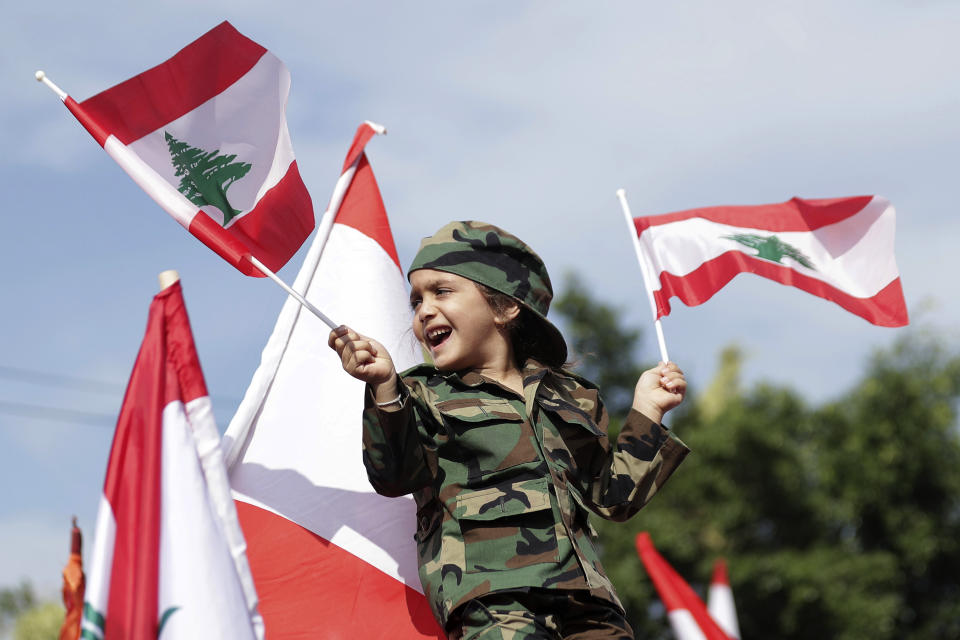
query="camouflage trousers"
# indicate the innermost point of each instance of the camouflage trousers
(541, 614)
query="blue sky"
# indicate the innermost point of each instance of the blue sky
(528, 115)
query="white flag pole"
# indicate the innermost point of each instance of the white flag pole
(42, 77)
(299, 298)
(645, 270)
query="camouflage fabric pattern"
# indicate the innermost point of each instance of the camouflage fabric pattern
(538, 614)
(489, 255)
(504, 484)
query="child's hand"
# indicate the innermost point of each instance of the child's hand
(658, 390)
(363, 358)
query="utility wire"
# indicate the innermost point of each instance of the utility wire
(32, 376)
(25, 410)
(44, 378)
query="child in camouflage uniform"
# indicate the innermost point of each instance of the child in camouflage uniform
(505, 451)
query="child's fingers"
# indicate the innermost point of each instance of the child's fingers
(672, 378)
(345, 340)
(675, 385)
(341, 333)
(358, 353)
(667, 367)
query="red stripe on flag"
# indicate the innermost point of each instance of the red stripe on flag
(886, 308)
(666, 588)
(362, 208)
(796, 214)
(360, 140)
(273, 231)
(195, 74)
(166, 370)
(210, 233)
(276, 228)
(309, 587)
(720, 575)
(92, 127)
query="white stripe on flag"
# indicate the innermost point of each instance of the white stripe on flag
(195, 563)
(684, 626)
(722, 609)
(97, 591)
(319, 446)
(162, 192)
(860, 264)
(253, 106)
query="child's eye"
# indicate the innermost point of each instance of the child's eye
(443, 291)
(414, 303)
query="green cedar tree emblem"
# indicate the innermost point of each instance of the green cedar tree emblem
(93, 618)
(163, 619)
(771, 248)
(97, 620)
(205, 176)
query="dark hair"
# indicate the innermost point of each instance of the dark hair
(524, 329)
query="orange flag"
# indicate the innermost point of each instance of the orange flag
(74, 584)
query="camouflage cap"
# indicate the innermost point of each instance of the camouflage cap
(489, 255)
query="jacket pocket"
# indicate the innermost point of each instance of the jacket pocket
(487, 435)
(507, 527)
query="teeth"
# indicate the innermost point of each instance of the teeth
(436, 333)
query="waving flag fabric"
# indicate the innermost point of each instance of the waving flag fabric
(205, 135)
(720, 600)
(688, 616)
(168, 558)
(331, 558)
(839, 249)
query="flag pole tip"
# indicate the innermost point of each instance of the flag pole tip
(621, 192)
(377, 128)
(40, 75)
(167, 278)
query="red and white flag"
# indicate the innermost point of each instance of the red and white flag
(839, 249)
(720, 600)
(330, 557)
(168, 558)
(205, 135)
(688, 616)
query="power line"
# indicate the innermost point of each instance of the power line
(77, 383)
(25, 410)
(33, 376)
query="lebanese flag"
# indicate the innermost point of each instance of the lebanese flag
(168, 558)
(720, 600)
(330, 557)
(840, 249)
(205, 135)
(688, 616)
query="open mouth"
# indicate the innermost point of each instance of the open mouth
(436, 337)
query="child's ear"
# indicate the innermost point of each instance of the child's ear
(509, 314)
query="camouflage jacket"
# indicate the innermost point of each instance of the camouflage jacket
(503, 483)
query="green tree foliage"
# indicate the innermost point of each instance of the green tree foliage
(14, 601)
(42, 622)
(839, 521)
(603, 349)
